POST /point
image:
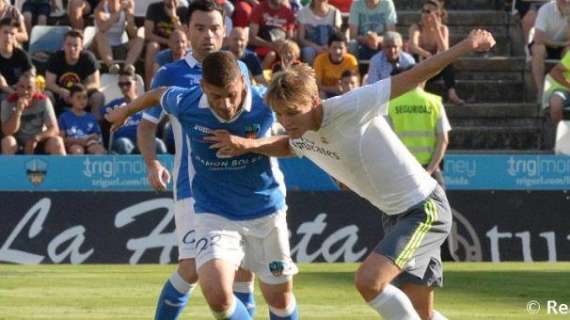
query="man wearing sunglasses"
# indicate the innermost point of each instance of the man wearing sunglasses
(124, 140)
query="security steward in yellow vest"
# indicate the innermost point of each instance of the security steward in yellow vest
(419, 119)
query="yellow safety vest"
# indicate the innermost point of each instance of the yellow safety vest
(414, 116)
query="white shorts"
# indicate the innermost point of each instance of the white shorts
(260, 245)
(185, 220)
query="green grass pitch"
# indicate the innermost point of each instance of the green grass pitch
(324, 291)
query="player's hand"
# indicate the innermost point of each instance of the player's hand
(228, 145)
(480, 40)
(158, 176)
(117, 117)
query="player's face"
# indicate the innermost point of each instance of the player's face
(206, 33)
(296, 118)
(225, 101)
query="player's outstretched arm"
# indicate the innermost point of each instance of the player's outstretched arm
(118, 116)
(231, 145)
(477, 41)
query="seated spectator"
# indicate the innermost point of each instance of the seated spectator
(70, 66)
(330, 65)
(289, 54)
(271, 22)
(161, 19)
(550, 37)
(368, 21)
(9, 11)
(112, 19)
(527, 12)
(316, 23)
(237, 44)
(178, 48)
(391, 57)
(77, 10)
(79, 129)
(125, 138)
(13, 61)
(558, 96)
(28, 121)
(38, 10)
(431, 36)
(349, 80)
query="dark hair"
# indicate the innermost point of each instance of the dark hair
(440, 5)
(8, 22)
(74, 34)
(337, 36)
(77, 88)
(220, 68)
(204, 5)
(350, 73)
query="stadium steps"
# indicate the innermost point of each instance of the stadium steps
(478, 91)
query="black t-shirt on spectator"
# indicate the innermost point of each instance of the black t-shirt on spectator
(12, 68)
(163, 26)
(68, 75)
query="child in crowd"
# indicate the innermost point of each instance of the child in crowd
(290, 55)
(349, 80)
(79, 128)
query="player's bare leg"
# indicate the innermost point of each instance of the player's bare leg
(373, 279)
(421, 297)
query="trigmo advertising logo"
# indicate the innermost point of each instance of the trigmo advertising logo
(548, 171)
(119, 172)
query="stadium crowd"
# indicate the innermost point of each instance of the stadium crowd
(111, 50)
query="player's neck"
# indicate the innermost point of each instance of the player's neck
(318, 117)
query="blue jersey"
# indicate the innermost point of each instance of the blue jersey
(184, 73)
(239, 188)
(78, 127)
(129, 129)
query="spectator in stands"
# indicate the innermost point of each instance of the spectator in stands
(39, 10)
(112, 19)
(550, 37)
(70, 66)
(330, 65)
(9, 11)
(420, 121)
(431, 36)
(178, 48)
(28, 120)
(527, 12)
(237, 44)
(391, 57)
(13, 60)
(289, 54)
(559, 95)
(368, 21)
(161, 19)
(124, 139)
(77, 10)
(271, 22)
(242, 13)
(79, 129)
(316, 23)
(349, 80)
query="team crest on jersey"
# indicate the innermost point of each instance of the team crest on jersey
(252, 130)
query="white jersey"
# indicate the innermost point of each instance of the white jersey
(356, 146)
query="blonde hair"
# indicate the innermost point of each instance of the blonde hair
(289, 46)
(292, 86)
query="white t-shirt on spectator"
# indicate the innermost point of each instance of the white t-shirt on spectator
(357, 147)
(551, 21)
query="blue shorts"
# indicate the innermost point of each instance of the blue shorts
(37, 9)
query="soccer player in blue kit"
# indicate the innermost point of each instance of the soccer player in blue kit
(206, 32)
(239, 201)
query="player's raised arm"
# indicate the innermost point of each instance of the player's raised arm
(477, 41)
(118, 116)
(231, 145)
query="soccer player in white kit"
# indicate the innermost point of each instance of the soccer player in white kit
(348, 137)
